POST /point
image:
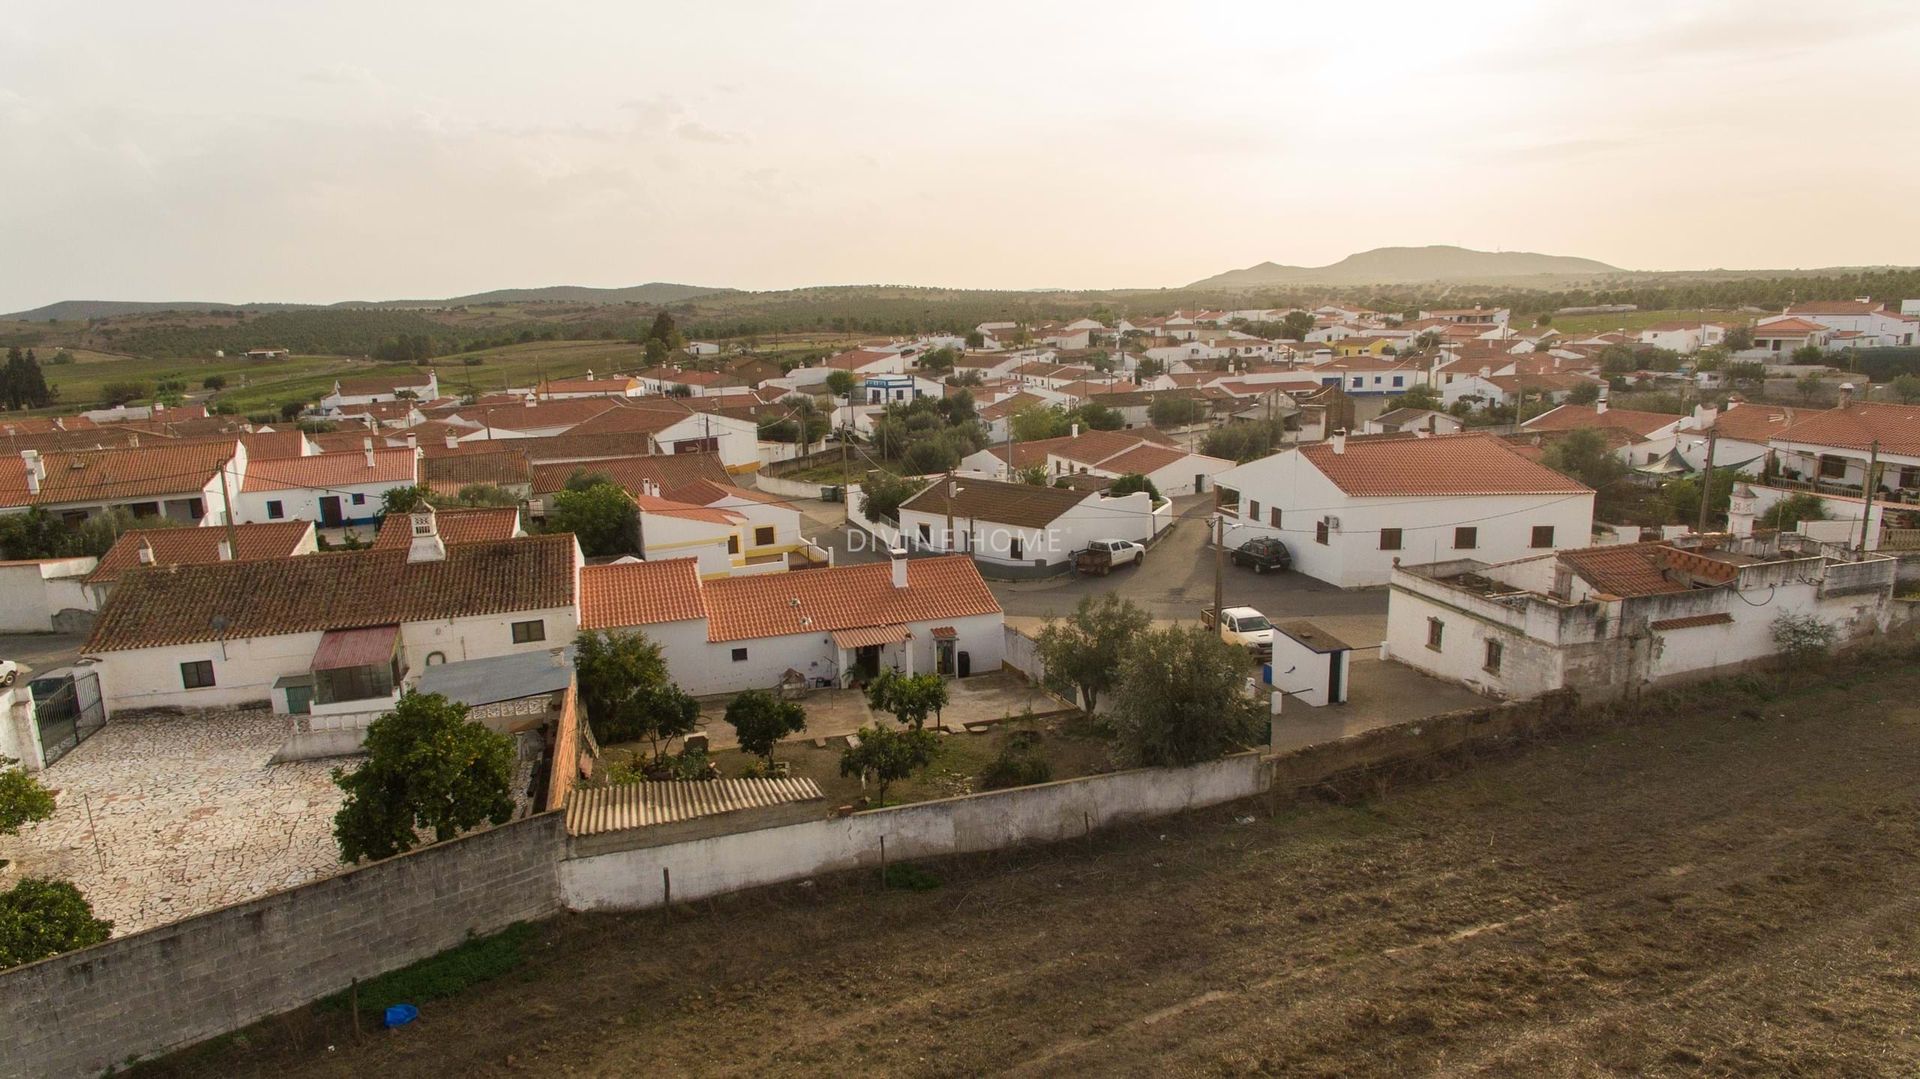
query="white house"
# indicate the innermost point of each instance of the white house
(331, 633)
(43, 595)
(1020, 529)
(1607, 620)
(1413, 420)
(181, 483)
(423, 386)
(1650, 435)
(1865, 323)
(827, 627)
(1684, 337)
(196, 546)
(1350, 511)
(1832, 447)
(332, 490)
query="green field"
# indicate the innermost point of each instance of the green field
(253, 382)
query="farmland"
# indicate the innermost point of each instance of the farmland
(1724, 888)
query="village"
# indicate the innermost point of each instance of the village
(710, 596)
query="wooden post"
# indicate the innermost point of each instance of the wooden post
(1706, 482)
(353, 1002)
(666, 886)
(1866, 493)
(883, 861)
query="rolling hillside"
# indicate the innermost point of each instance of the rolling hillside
(1398, 265)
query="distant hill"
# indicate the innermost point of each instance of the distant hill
(1402, 265)
(651, 293)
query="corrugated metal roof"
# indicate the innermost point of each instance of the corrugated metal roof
(593, 810)
(866, 636)
(368, 647)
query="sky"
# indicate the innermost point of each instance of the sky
(308, 152)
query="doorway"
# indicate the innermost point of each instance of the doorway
(866, 662)
(943, 656)
(330, 516)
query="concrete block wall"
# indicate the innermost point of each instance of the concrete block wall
(172, 986)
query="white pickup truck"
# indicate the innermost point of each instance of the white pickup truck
(1249, 629)
(1102, 556)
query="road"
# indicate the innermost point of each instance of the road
(1174, 583)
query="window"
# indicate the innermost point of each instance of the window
(1398, 381)
(733, 544)
(1273, 516)
(739, 655)
(1436, 631)
(1494, 649)
(1320, 531)
(275, 510)
(1543, 535)
(528, 632)
(1253, 510)
(1015, 548)
(197, 675)
(763, 536)
(1359, 382)
(1833, 468)
(359, 499)
(1466, 538)
(1389, 539)
(926, 533)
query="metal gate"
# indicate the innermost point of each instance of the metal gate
(69, 711)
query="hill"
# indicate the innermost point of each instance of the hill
(654, 292)
(1397, 265)
(82, 310)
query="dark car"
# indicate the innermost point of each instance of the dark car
(1263, 553)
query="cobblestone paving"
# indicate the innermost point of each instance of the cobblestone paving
(162, 819)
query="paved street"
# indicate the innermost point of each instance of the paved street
(41, 652)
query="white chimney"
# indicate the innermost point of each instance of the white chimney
(1340, 440)
(367, 445)
(899, 556)
(1742, 509)
(413, 441)
(426, 545)
(589, 374)
(145, 552)
(650, 488)
(1600, 403)
(453, 440)
(532, 401)
(224, 550)
(1076, 430)
(133, 441)
(1846, 394)
(36, 470)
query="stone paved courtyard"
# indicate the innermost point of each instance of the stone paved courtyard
(187, 815)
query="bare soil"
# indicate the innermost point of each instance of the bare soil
(1726, 890)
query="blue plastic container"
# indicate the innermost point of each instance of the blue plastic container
(399, 1015)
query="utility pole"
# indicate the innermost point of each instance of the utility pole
(1706, 482)
(1866, 489)
(948, 491)
(233, 540)
(1219, 562)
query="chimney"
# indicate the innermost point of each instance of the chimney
(133, 440)
(532, 401)
(223, 550)
(899, 556)
(36, 470)
(426, 545)
(453, 440)
(1600, 403)
(650, 488)
(1742, 509)
(1076, 430)
(589, 374)
(413, 441)
(145, 552)
(1846, 394)
(367, 445)
(1340, 440)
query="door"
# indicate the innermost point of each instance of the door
(1336, 688)
(330, 511)
(866, 661)
(943, 657)
(299, 700)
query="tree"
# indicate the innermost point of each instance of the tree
(1033, 423)
(1809, 384)
(1907, 388)
(976, 339)
(1800, 639)
(840, 383)
(910, 697)
(939, 360)
(1243, 440)
(1786, 514)
(882, 494)
(888, 755)
(1131, 482)
(1086, 651)
(1420, 395)
(1586, 393)
(1738, 339)
(1682, 496)
(1175, 411)
(41, 918)
(1182, 699)
(1096, 417)
(1148, 368)
(602, 518)
(121, 391)
(1033, 475)
(22, 385)
(291, 410)
(404, 499)
(760, 720)
(1296, 325)
(657, 351)
(23, 800)
(214, 382)
(627, 692)
(428, 768)
(664, 331)
(1583, 455)
(1806, 354)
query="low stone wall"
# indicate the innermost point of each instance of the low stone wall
(1432, 737)
(785, 488)
(136, 996)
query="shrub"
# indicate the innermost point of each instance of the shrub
(1015, 767)
(41, 917)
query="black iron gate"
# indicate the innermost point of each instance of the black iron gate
(69, 712)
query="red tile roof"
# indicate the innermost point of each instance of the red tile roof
(1644, 569)
(500, 467)
(1580, 417)
(121, 475)
(844, 597)
(183, 546)
(631, 474)
(331, 470)
(1692, 621)
(333, 590)
(1442, 465)
(1858, 427)
(1143, 459)
(625, 594)
(458, 525)
(1787, 327)
(1751, 422)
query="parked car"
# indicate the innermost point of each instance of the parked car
(1247, 628)
(1263, 553)
(1102, 556)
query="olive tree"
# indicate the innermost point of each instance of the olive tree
(1086, 651)
(760, 720)
(1183, 698)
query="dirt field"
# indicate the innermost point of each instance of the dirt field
(1729, 891)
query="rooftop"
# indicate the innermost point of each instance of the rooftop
(459, 525)
(394, 466)
(1442, 465)
(997, 501)
(186, 545)
(118, 475)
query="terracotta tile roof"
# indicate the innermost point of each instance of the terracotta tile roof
(705, 492)
(665, 471)
(568, 412)
(857, 359)
(500, 468)
(1750, 422)
(844, 597)
(616, 386)
(119, 475)
(331, 470)
(183, 546)
(1644, 569)
(1856, 427)
(1442, 465)
(333, 590)
(1093, 447)
(640, 593)
(632, 421)
(1693, 621)
(1144, 458)
(667, 507)
(1835, 307)
(1019, 504)
(458, 525)
(1787, 327)
(268, 445)
(563, 447)
(1578, 417)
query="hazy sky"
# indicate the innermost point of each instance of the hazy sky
(192, 150)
